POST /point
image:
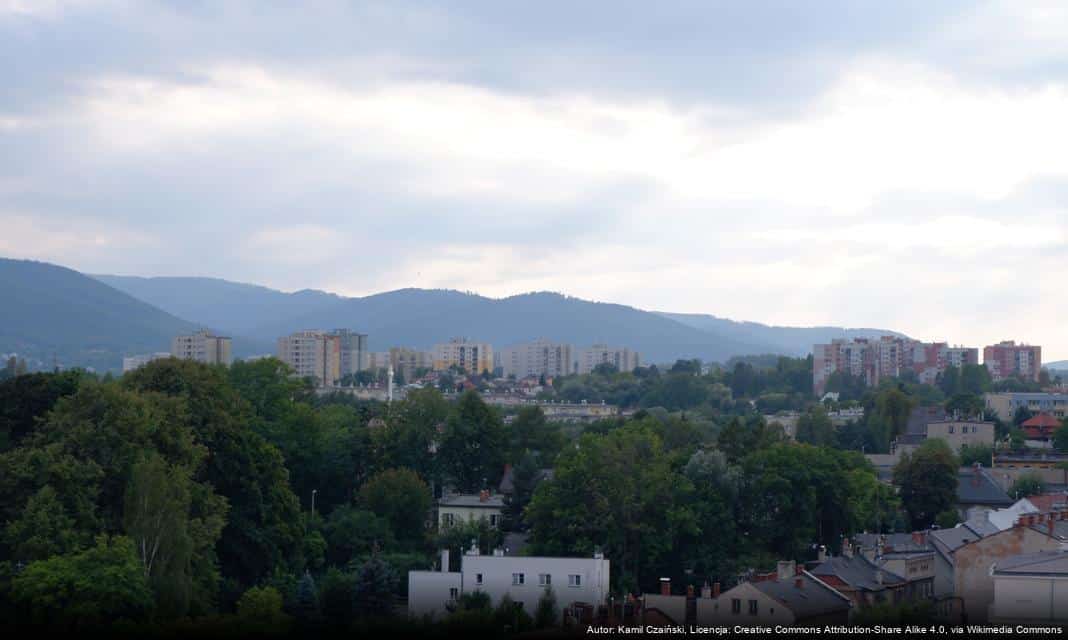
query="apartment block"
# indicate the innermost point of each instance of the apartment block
(539, 358)
(313, 354)
(1010, 360)
(473, 357)
(889, 356)
(353, 350)
(1005, 405)
(621, 357)
(407, 361)
(203, 346)
(132, 363)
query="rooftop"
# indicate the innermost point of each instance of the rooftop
(812, 598)
(857, 572)
(975, 486)
(473, 500)
(1042, 563)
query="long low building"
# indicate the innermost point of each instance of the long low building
(574, 581)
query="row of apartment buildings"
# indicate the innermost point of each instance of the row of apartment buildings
(891, 356)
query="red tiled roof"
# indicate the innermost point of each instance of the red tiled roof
(1042, 420)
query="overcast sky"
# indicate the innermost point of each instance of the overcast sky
(893, 164)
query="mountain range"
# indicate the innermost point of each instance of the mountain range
(95, 320)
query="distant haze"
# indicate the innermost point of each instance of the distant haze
(825, 163)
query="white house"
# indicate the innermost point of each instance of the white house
(460, 508)
(524, 578)
(1031, 588)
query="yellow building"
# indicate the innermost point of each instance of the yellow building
(472, 357)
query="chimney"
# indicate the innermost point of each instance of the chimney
(706, 591)
(847, 549)
(975, 473)
(786, 570)
(665, 586)
(919, 538)
(799, 582)
(822, 554)
(483, 495)
(444, 560)
(689, 591)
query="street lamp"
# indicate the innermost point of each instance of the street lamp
(314, 491)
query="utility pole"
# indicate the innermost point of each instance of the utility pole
(314, 491)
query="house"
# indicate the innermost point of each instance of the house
(455, 509)
(977, 491)
(1038, 430)
(1031, 588)
(933, 422)
(788, 596)
(576, 582)
(974, 559)
(862, 579)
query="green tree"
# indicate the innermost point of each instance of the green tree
(95, 587)
(474, 446)
(43, 529)
(350, 532)
(531, 432)
(1060, 438)
(401, 498)
(260, 611)
(972, 453)
(814, 427)
(615, 492)
(547, 612)
(25, 400)
(509, 615)
(1027, 485)
(374, 586)
(307, 601)
(927, 480)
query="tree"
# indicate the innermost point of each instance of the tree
(615, 492)
(1027, 485)
(90, 588)
(1060, 438)
(474, 445)
(814, 427)
(307, 601)
(401, 498)
(24, 401)
(525, 476)
(972, 453)
(260, 609)
(531, 432)
(927, 480)
(510, 616)
(548, 612)
(351, 532)
(966, 405)
(336, 597)
(374, 586)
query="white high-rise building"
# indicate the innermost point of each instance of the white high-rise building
(202, 346)
(621, 358)
(312, 354)
(132, 363)
(539, 358)
(473, 357)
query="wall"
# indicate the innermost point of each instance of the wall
(973, 561)
(718, 611)
(1030, 599)
(673, 606)
(428, 592)
(497, 579)
(466, 514)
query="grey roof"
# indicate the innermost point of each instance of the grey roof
(921, 417)
(1060, 529)
(952, 539)
(813, 599)
(1041, 563)
(980, 489)
(494, 501)
(515, 543)
(858, 572)
(900, 543)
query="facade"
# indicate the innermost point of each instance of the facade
(621, 357)
(536, 359)
(473, 357)
(353, 351)
(934, 422)
(378, 360)
(407, 361)
(524, 578)
(1010, 360)
(1031, 588)
(875, 573)
(458, 509)
(132, 363)
(203, 346)
(889, 356)
(788, 596)
(313, 354)
(1005, 405)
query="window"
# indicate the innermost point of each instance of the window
(951, 427)
(752, 607)
(736, 605)
(544, 579)
(454, 593)
(494, 518)
(518, 579)
(447, 519)
(478, 578)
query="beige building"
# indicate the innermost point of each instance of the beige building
(202, 346)
(313, 354)
(407, 361)
(1031, 588)
(621, 358)
(539, 358)
(472, 357)
(378, 360)
(352, 351)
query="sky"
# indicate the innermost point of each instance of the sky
(859, 163)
